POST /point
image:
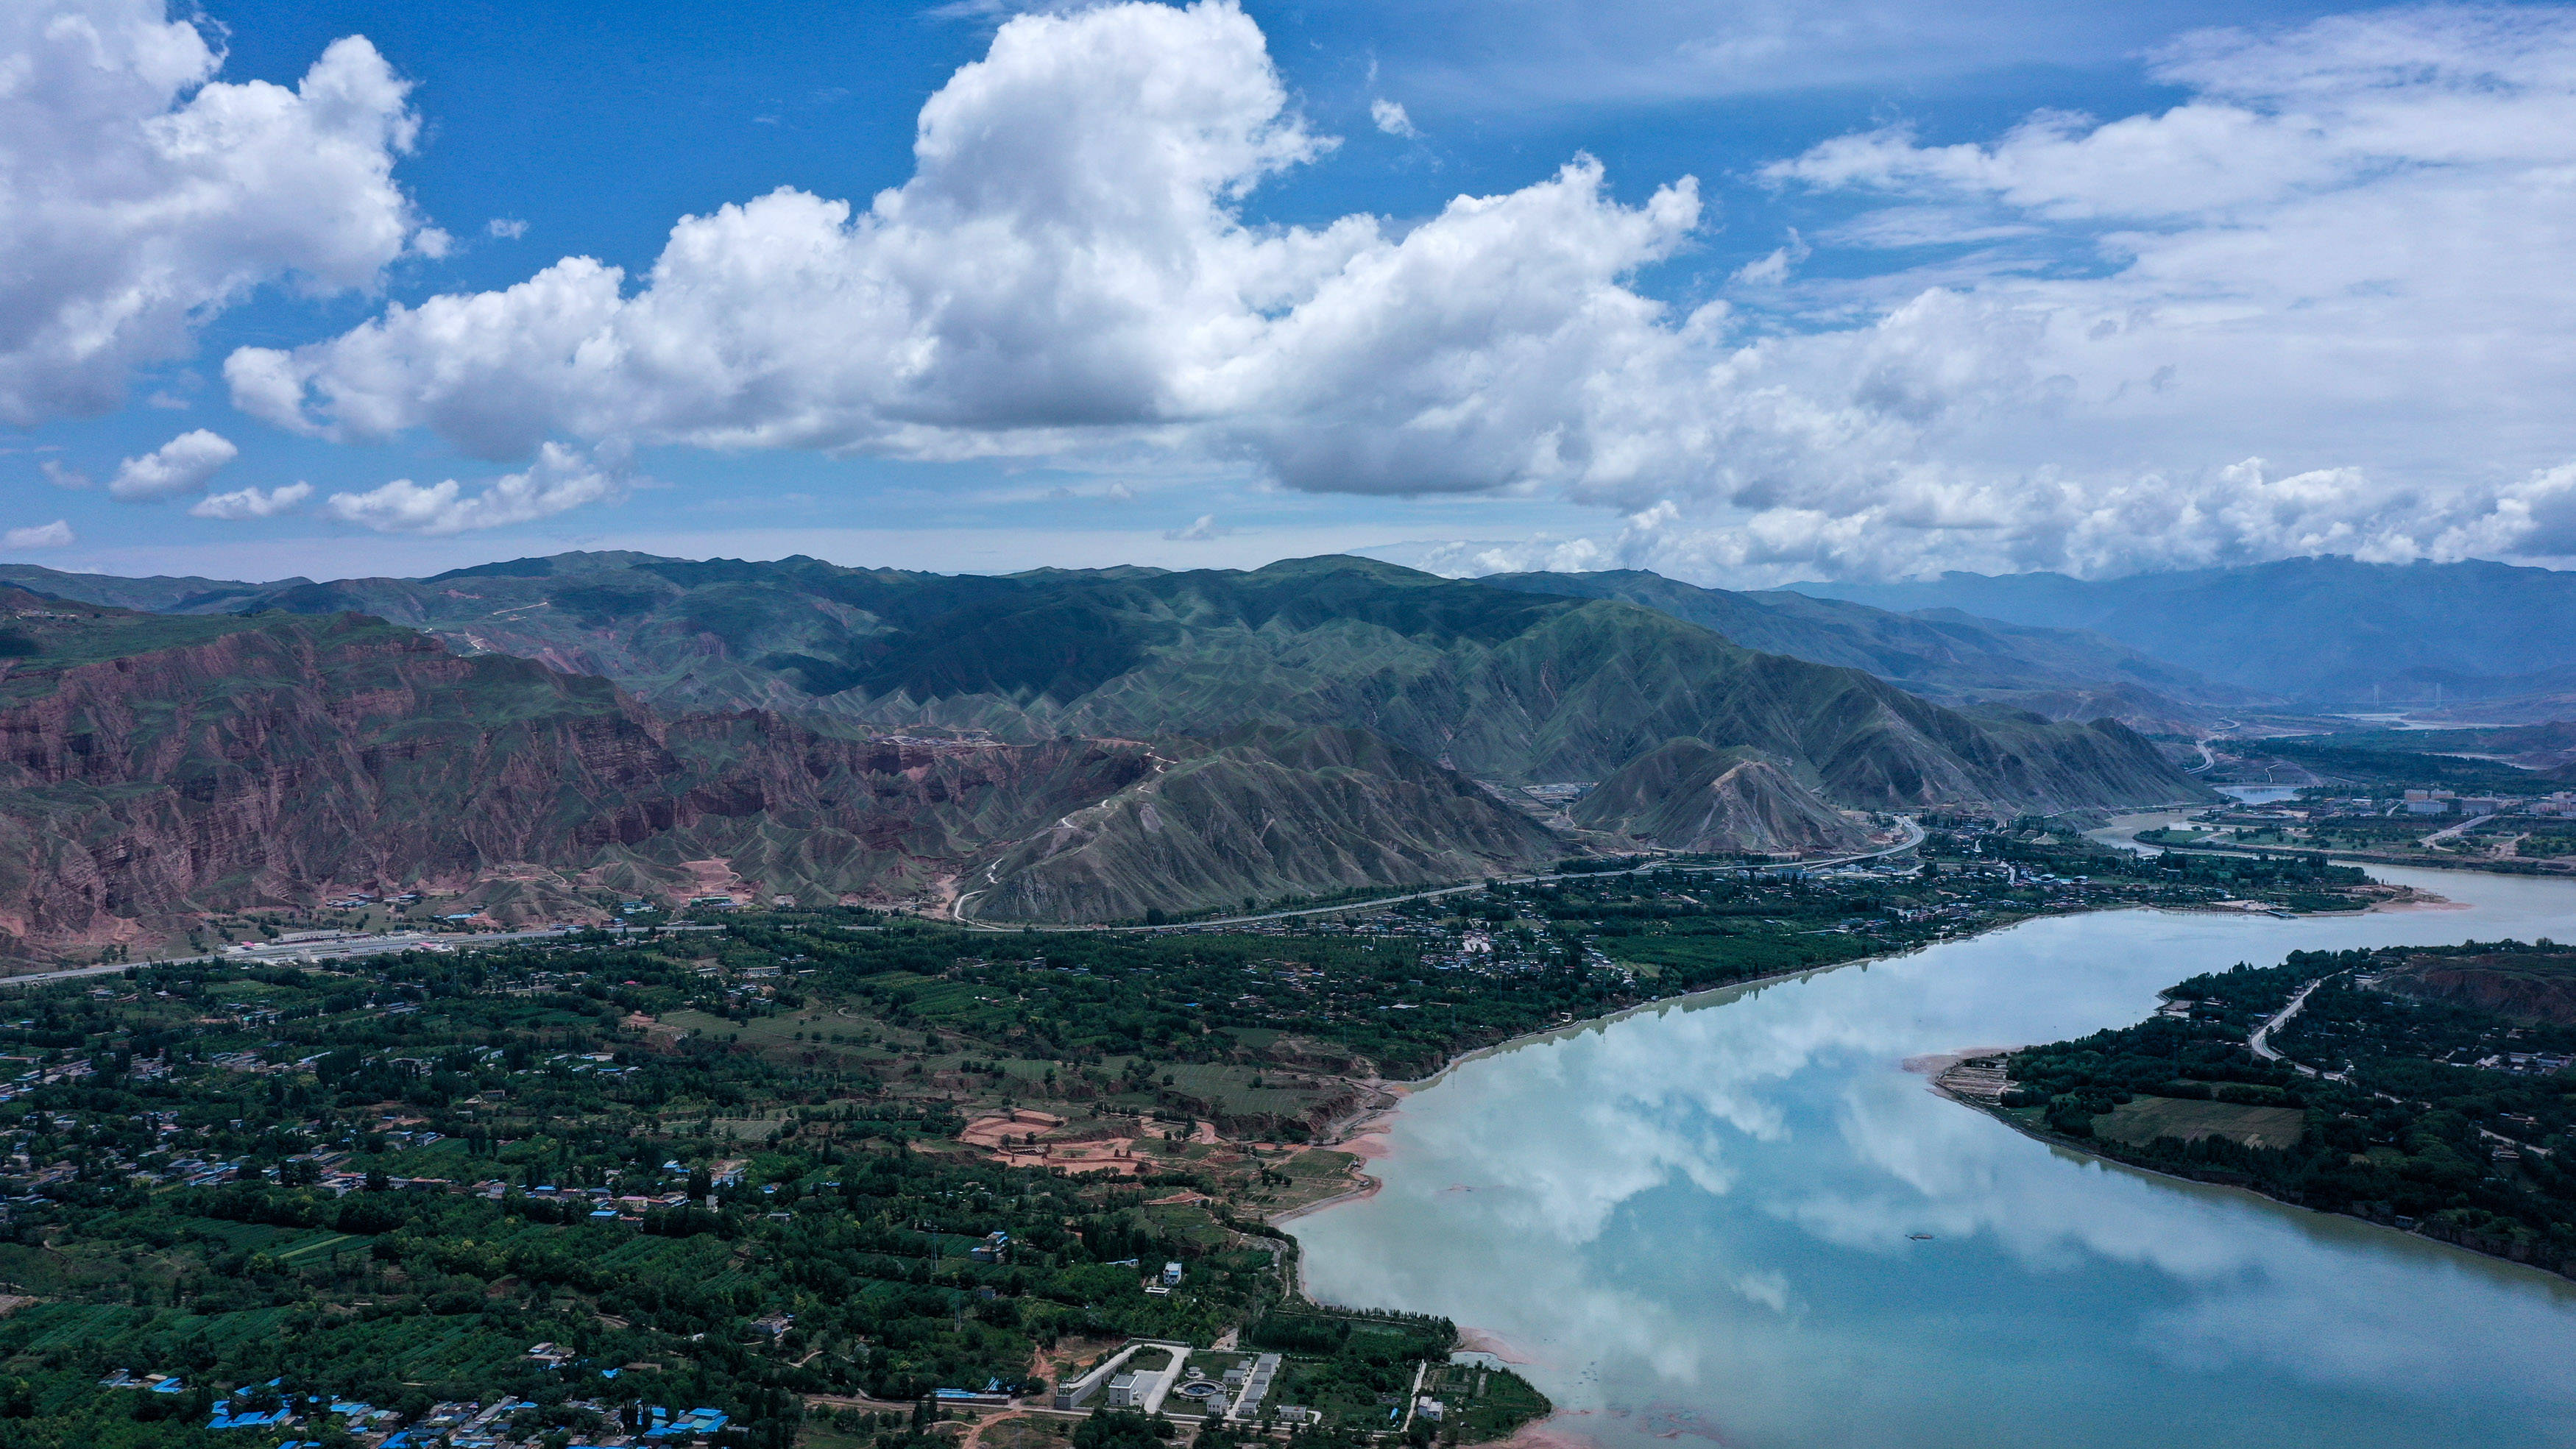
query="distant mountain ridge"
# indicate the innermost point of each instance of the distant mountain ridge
(2324, 630)
(1943, 654)
(159, 594)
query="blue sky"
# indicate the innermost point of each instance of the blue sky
(2005, 287)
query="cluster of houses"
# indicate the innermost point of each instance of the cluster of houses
(329, 1169)
(2451, 802)
(360, 900)
(457, 1425)
(2530, 1064)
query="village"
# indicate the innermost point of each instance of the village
(1154, 1379)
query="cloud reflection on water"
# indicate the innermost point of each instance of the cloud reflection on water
(1710, 1208)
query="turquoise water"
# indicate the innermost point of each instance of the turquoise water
(1695, 1222)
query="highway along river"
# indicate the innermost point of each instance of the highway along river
(1699, 1222)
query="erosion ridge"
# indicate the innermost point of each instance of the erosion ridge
(1689, 795)
(1263, 809)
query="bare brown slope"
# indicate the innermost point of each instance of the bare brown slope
(283, 759)
(1688, 795)
(2533, 985)
(1259, 813)
(309, 755)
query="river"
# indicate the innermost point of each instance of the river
(1697, 1221)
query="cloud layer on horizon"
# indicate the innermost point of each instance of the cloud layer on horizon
(2323, 305)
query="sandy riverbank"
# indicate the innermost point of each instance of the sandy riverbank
(1556, 1431)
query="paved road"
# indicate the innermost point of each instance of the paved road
(316, 953)
(2261, 1041)
(1913, 838)
(2447, 831)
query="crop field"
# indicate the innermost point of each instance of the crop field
(2144, 1119)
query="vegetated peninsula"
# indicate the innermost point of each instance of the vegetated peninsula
(2427, 1088)
(1056, 748)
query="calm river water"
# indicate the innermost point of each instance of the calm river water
(1696, 1222)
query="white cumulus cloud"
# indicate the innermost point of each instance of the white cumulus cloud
(561, 479)
(2324, 303)
(57, 534)
(141, 194)
(1774, 268)
(1389, 117)
(245, 503)
(181, 465)
(1067, 269)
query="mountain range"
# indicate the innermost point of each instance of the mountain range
(2325, 631)
(798, 630)
(1063, 745)
(1942, 654)
(1503, 684)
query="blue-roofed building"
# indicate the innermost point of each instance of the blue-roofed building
(696, 1423)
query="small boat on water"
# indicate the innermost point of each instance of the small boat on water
(1920, 1237)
